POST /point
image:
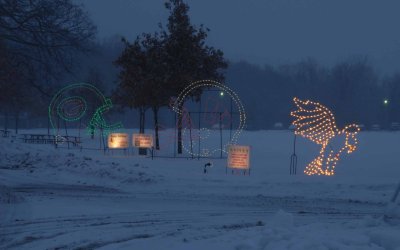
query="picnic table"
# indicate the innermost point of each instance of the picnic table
(75, 140)
(5, 133)
(50, 139)
(38, 138)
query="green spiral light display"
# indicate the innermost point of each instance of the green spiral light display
(81, 101)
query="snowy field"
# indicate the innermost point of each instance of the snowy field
(71, 199)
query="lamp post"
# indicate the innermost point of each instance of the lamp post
(386, 112)
(385, 102)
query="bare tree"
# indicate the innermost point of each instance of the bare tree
(15, 96)
(45, 33)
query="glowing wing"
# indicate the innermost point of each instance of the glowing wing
(314, 121)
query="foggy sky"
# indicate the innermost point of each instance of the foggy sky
(272, 31)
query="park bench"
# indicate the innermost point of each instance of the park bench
(5, 133)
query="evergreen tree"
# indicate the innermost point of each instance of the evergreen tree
(143, 77)
(131, 91)
(156, 67)
(188, 57)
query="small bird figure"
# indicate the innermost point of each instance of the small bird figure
(317, 123)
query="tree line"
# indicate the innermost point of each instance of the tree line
(352, 89)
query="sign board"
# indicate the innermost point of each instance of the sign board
(118, 140)
(143, 140)
(239, 157)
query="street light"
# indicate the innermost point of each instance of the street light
(386, 112)
(385, 101)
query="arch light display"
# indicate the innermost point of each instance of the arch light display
(204, 132)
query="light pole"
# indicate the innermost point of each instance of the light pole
(386, 112)
(385, 102)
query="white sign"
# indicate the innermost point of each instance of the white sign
(239, 157)
(143, 140)
(118, 140)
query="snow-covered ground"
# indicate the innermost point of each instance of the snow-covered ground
(71, 199)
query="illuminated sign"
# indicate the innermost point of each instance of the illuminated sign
(118, 140)
(143, 140)
(239, 157)
(317, 123)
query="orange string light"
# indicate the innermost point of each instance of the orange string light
(317, 123)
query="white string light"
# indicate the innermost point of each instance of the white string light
(223, 89)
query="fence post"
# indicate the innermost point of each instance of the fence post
(396, 193)
(220, 131)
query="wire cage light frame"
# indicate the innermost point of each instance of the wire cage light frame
(179, 109)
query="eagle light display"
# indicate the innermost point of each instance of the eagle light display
(317, 123)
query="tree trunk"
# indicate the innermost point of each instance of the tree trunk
(48, 125)
(16, 122)
(6, 121)
(180, 118)
(142, 113)
(155, 113)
